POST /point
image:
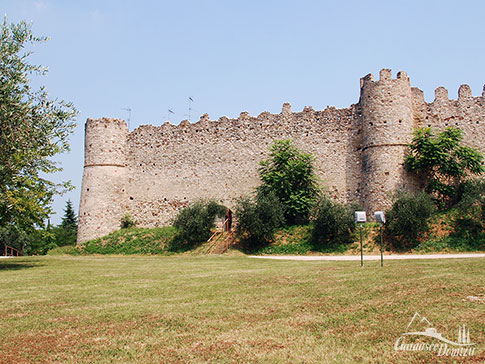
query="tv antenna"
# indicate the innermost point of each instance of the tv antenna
(168, 114)
(129, 115)
(191, 100)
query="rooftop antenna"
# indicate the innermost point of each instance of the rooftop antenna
(191, 100)
(168, 114)
(129, 114)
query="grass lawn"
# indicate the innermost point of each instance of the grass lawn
(142, 309)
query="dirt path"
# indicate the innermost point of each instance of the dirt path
(369, 257)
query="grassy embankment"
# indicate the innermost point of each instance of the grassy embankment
(289, 240)
(107, 309)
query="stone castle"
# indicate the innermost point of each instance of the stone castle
(152, 172)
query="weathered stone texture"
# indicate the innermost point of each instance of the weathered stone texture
(152, 172)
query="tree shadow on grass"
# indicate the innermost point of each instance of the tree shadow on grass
(9, 264)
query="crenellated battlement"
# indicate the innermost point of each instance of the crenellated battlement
(385, 77)
(154, 171)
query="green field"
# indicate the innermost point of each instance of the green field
(182, 309)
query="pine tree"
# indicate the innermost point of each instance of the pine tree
(69, 221)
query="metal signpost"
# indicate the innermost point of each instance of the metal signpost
(360, 218)
(381, 219)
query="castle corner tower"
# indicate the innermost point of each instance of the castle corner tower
(104, 178)
(387, 126)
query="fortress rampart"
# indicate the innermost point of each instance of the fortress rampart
(154, 171)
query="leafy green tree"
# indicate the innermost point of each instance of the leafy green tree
(332, 223)
(12, 236)
(33, 128)
(408, 219)
(289, 174)
(194, 224)
(258, 218)
(470, 219)
(442, 162)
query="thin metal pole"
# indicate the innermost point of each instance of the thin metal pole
(382, 254)
(361, 248)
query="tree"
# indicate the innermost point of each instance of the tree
(333, 223)
(408, 219)
(69, 220)
(442, 162)
(33, 128)
(194, 224)
(289, 174)
(258, 218)
(66, 232)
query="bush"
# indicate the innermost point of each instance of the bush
(64, 250)
(64, 236)
(194, 224)
(408, 219)
(333, 224)
(258, 219)
(127, 221)
(468, 228)
(41, 241)
(471, 210)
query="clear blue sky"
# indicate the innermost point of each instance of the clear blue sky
(233, 56)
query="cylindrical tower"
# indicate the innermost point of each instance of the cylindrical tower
(387, 126)
(104, 178)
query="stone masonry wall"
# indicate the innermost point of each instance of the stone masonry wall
(172, 165)
(154, 171)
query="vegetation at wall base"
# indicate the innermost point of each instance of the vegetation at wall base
(127, 221)
(258, 219)
(408, 220)
(194, 224)
(132, 241)
(333, 224)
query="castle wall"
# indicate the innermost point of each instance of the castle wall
(173, 165)
(466, 113)
(154, 171)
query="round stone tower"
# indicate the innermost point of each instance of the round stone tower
(387, 126)
(104, 178)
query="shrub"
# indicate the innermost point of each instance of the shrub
(408, 219)
(333, 224)
(194, 224)
(42, 240)
(64, 236)
(468, 229)
(471, 210)
(258, 219)
(127, 222)
(64, 250)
